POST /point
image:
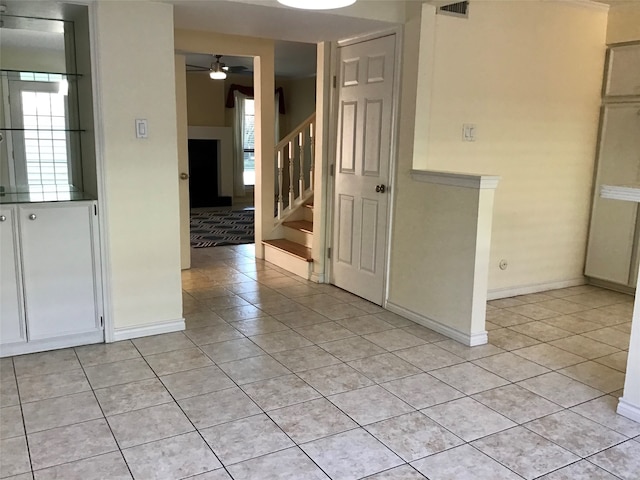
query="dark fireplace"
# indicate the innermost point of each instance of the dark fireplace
(203, 175)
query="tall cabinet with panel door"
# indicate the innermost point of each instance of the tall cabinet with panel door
(613, 251)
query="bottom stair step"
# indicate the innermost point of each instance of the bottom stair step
(291, 248)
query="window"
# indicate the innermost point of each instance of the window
(249, 142)
(42, 112)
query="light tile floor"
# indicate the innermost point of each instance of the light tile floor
(278, 378)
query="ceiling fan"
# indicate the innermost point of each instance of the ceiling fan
(217, 70)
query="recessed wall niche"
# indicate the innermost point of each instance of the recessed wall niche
(47, 150)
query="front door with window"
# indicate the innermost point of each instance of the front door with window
(362, 170)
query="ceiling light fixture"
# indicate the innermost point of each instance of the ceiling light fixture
(217, 70)
(317, 4)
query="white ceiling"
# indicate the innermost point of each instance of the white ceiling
(292, 59)
(295, 32)
(269, 20)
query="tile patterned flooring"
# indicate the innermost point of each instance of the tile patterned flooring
(278, 378)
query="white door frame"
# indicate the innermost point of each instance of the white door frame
(333, 129)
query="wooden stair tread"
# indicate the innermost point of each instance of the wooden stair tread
(291, 247)
(302, 225)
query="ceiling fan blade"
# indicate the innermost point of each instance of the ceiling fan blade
(197, 68)
(236, 69)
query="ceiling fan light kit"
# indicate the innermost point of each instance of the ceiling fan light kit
(217, 71)
(217, 74)
(317, 4)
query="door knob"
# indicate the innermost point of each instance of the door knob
(380, 188)
(184, 176)
(2, 218)
(32, 216)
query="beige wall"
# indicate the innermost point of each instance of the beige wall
(205, 100)
(624, 22)
(534, 95)
(300, 102)
(134, 56)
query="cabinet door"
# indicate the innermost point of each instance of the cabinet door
(12, 325)
(59, 269)
(613, 223)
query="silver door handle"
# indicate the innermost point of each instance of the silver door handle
(2, 218)
(184, 176)
(380, 188)
(32, 216)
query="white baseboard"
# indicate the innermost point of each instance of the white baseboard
(317, 277)
(147, 330)
(55, 343)
(629, 410)
(540, 287)
(464, 338)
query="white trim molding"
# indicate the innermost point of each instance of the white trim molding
(147, 330)
(629, 410)
(466, 180)
(590, 4)
(527, 289)
(472, 340)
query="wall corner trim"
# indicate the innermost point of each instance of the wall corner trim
(147, 330)
(603, 7)
(629, 410)
(466, 180)
(471, 340)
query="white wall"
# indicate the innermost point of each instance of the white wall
(528, 75)
(134, 56)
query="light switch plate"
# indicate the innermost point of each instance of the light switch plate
(468, 132)
(142, 129)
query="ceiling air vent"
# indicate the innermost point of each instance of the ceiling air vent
(458, 9)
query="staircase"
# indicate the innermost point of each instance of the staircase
(292, 231)
(293, 252)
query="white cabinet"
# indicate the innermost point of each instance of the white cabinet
(12, 324)
(52, 297)
(613, 250)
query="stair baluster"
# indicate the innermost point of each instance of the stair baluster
(292, 194)
(288, 195)
(312, 149)
(301, 160)
(280, 181)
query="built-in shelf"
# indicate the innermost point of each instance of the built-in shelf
(629, 193)
(41, 129)
(64, 74)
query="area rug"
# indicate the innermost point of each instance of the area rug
(213, 229)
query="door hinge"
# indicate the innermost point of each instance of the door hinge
(329, 253)
(95, 210)
(335, 81)
(101, 321)
(332, 169)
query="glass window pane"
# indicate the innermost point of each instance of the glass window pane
(28, 103)
(249, 107)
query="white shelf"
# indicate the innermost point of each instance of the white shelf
(628, 193)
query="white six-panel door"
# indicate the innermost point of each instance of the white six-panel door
(361, 200)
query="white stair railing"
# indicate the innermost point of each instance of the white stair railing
(295, 180)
